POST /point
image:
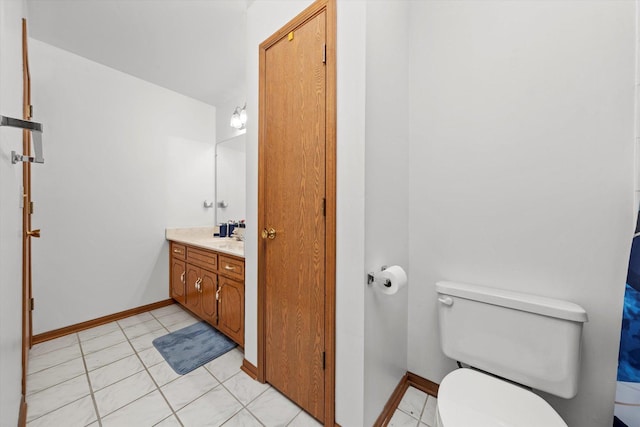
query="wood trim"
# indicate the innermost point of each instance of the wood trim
(262, 224)
(408, 380)
(27, 329)
(393, 402)
(329, 6)
(57, 333)
(22, 415)
(248, 368)
(423, 384)
(330, 221)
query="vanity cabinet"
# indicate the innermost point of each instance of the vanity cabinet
(210, 285)
(231, 309)
(201, 288)
(178, 272)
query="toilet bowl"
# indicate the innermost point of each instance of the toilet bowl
(470, 398)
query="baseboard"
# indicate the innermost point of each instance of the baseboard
(408, 380)
(423, 384)
(248, 368)
(22, 415)
(57, 333)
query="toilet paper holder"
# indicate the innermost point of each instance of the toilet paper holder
(371, 277)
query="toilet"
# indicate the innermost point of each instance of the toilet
(511, 341)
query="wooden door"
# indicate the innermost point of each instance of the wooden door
(208, 288)
(27, 211)
(192, 293)
(296, 187)
(231, 309)
(178, 280)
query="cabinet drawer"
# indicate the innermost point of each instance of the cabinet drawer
(178, 251)
(231, 267)
(202, 258)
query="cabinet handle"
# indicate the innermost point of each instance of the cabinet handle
(218, 294)
(196, 284)
(228, 267)
(182, 277)
(200, 284)
(177, 251)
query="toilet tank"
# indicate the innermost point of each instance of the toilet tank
(532, 340)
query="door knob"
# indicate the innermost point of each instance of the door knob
(269, 234)
(34, 233)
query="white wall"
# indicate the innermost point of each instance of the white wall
(521, 168)
(350, 228)
(123, 160)
(11, 14)
(386, 197)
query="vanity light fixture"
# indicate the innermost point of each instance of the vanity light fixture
(239, 118)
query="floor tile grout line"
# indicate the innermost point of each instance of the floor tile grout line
(93, 398)
(56, 384)
(53, 366)
(153, 379)
(80, 339)
(424, 406)
(236, 397)
(59, 407)
(295, 416)
(127, 377)
(55, 349)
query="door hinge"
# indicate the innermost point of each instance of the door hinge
(324, 207)
(324, 53)
(32, 303)
(31, 208)
(324, 360)
(30, 111)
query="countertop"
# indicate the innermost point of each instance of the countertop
(202, 237)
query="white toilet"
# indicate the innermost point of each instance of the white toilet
(526, 339)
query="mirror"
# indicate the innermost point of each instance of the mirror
(230, 179)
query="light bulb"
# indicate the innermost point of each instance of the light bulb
(235, 121)
(243, 116)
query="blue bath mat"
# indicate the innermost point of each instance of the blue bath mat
(189, 348)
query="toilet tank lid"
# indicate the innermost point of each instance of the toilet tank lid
(516, 300)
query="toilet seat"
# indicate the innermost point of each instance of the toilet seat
(470, 398)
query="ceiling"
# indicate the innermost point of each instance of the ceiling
(194, 47)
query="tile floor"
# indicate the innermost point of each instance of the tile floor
(416, 409)
(111, 375)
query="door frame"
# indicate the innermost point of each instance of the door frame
(314, 9)
(27, 330)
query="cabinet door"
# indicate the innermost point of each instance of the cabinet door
(193, 294)
(178, 280)
(231, 309)
(208, 287)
